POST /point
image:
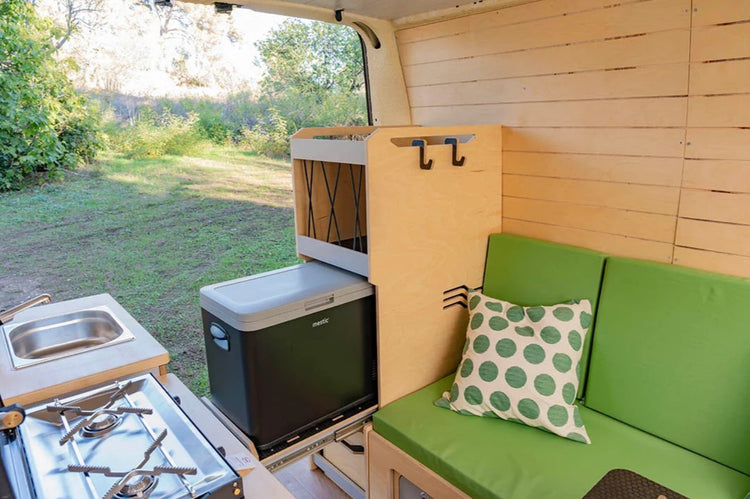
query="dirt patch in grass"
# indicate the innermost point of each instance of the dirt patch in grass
(150, 233)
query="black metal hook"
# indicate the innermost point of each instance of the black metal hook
(453, 141)
(337, 14)
(421, 144)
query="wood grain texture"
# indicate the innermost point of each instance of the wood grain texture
(713, 236)
(728, 176)
(509, 15)
(650, 81)
(718, 143)
(593, 218)
(643, 198)
(720, 111)
(652, 112)
(712, 261)
(708, 12)
(618, 21)
(386, 463)
(608, 243)
(664, 142)
(664, 47)
(608, 168)
(426, 236)
(728, 207)
(718, 43)
(725, 77)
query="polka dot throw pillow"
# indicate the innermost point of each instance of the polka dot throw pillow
(522, 364)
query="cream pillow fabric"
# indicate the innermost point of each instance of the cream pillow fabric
(522, 364)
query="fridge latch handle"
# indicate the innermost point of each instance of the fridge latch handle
(319, 302)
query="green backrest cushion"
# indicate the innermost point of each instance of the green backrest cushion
(530, 272)
(671, 356)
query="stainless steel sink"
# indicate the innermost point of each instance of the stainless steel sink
(59, 336)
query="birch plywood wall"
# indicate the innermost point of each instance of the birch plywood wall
(621, 127)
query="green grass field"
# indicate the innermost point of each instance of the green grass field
(150, 233)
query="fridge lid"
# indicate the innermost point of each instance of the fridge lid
(263, 300)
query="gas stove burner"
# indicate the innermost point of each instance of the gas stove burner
(139, 486)
(101, 425)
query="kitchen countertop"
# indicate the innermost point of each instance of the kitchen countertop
(83, 370)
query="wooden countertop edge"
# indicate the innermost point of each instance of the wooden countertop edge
(86, 382)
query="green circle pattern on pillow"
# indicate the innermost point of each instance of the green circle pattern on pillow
(515, 377)
(534, 354)
(474, 302)
(505, 348)
(574, 339)
(563, 313)
(544, 384)
(481, 343)
(498, 323)
(557, 415)
(500, 401)
(550, 335)
(515, 313)
(528, 408)
(473, 395)
(535, 314)
(488, 371)
(518, 365)
(495, 306)
(476, 321)
(525, 330)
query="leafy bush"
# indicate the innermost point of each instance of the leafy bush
(154, 136)
(45, 126)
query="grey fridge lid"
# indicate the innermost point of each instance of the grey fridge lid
(263, 300)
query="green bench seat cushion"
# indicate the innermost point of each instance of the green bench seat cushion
(487, 457)
(530, 272)
(671, 356)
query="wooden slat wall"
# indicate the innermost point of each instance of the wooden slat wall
(713, 228)
(628, 120)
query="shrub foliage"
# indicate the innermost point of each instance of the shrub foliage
(45, 125)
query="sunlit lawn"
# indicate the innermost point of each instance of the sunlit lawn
(150, 233)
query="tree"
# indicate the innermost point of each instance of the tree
(45, 126)
(76, 13)
(311, 58)
(314, 76)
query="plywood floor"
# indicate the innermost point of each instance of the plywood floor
(304, 483)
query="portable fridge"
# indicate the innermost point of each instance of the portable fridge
(291, 350)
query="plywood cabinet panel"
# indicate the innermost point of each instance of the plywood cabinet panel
(427, 233)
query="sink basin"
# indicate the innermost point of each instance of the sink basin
(59, 336)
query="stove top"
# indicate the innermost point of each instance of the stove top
(126, 440)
